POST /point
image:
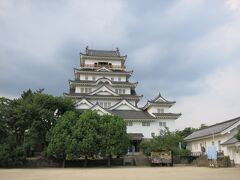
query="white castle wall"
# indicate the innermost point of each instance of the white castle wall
(147, 131)
(93, 88)
(115, 77)
(154, 109)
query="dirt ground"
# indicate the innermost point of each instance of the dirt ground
(132, 173)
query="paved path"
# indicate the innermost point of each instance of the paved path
(144, 173)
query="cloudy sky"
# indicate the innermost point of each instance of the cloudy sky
(188, 50)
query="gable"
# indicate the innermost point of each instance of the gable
(103, 90)
(160, 99)
(104, 69)
(124, 105)
(103, 80)
(84, 104)
(99, 110)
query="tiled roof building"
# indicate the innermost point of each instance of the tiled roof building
(102, 83)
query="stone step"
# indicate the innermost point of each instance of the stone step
(142, 160)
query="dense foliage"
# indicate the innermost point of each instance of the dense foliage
(60, 136)
(166, 140)
(24, 123)
(113, 136)
(87, 135)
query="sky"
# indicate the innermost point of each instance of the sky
(187, 50)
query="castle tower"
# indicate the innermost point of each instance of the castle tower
(102, 84)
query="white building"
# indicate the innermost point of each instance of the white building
(102, 84)
(223, 137)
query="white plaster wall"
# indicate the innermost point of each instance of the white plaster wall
(145, 130)
(127, 90)
(153, 109)
(195, 146)
(132, 102)
(103, 93)
(123, 107)
(115, 77)
(148, 130)
(78, 88)
(228, 151)
(170, 123)
(83, 106)
(113, 102)
(234, 153)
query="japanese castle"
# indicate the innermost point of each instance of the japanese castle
(102, 84)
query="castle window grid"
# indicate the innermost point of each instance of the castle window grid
(160, 110)
(163, 124)
(130, 123)
(145, 123)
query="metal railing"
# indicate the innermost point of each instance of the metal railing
(96, 66)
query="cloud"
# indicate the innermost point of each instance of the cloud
(218, 101)
(187, 50)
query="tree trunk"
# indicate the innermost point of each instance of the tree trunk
(63, 162)
(85, 161)
(109, 161)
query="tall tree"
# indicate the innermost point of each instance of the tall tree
(27, 120)
(60, 136)
(11, 152)
(114, 138)
(86, 138)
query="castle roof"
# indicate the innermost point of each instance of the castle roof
(94, 83)
(132, 114)
(91, 71)
(92, 52)
(102, 53)
(158, 101)
(167, 115)
(88, 96)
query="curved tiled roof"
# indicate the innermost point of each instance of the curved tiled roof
(132, 114)
(103, 72)
(113, 82)
(92, 52)
(214, 129)
(121, 96)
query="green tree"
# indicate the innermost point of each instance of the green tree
(11, 152)
(24, 122)
(202, 126)
(86, 138)
(185, 132)
(4, 118)
(165, 141)
(60, 136)
(36, 113)
(114, 139)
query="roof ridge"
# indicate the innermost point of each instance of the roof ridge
(218, 124)
(97, 52)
